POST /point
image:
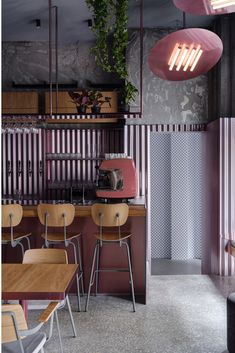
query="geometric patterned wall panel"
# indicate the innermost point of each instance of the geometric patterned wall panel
(187, 195)
(160, 195)
(177, 195)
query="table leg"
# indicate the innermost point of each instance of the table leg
(24, 304)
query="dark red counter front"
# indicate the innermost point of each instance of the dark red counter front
(111, 255)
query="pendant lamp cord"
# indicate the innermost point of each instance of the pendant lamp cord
(184, 20)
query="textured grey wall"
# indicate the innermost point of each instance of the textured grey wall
(165, 101)
(27, 63)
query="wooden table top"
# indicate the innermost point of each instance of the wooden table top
(37, 281)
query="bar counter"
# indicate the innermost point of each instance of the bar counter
(85, 211)
(111, 255)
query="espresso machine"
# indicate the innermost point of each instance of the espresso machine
(117, 179)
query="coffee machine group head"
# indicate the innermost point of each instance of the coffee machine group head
(117, 179)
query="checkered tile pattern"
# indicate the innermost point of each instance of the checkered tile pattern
(177, 205)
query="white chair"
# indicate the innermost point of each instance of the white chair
(16, 337)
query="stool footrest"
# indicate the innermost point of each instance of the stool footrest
(112, 270)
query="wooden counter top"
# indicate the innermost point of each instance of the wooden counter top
(85, 211)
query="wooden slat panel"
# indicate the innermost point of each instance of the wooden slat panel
(65, 104)
(19, 102)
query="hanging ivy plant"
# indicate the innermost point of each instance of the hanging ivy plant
(103, 11)
(101, 28)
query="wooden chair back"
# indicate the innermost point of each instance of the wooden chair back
(109, 215)
(45, 256)
(58, 215)
(11, 215)
(8, 329)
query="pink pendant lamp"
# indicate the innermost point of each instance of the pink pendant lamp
(206, 7)
(185, 54)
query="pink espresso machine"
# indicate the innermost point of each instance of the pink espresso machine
(117, 179)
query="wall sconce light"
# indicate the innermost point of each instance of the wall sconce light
(89, 23)
(221, 4)
(185, 57)
(38, 23)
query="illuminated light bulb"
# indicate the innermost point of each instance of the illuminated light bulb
(184, 54)
(185, 57)
(191, 55)
(174, 57)
(219, 4)
(173, 53)
(196, 60)
(188, 54)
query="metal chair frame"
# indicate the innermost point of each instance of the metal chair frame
(94, 275)
(15, 242)
(62, 305)
(21, 334)
(77, 254)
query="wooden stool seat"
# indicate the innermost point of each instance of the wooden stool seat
(6, 237)
(11, 217)
(107, 217)
(59, 237)
(112, 237)
(61, 216)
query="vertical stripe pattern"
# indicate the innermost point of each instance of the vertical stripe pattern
(227, 193)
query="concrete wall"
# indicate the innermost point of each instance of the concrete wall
(164, 101)
(27, 63)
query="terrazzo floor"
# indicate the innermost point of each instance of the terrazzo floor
(184, 314)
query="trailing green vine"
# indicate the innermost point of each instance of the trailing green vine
(101, 28)
(103, 11)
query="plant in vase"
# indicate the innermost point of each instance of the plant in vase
(80, 99)
(110, 19)
(127, 95)
(97, 100)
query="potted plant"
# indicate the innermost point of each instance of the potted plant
(97, 100)
(127, 95)
(80, 99)
(112, 59)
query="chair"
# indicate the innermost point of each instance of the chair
(11, 217)
(16, 337)
(50, 256)
(61, 216)
(105, 216)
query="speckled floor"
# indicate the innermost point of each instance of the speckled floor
(184, 314)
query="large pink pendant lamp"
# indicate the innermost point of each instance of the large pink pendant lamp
(206, 7)
(185, 54)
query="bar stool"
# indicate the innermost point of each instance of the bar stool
(11, 217)
(61, 216)
(105, 216)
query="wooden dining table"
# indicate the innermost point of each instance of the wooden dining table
(37, 281)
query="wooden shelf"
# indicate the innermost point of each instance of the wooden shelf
(84, 121)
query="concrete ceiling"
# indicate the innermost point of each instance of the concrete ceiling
(18, 18)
